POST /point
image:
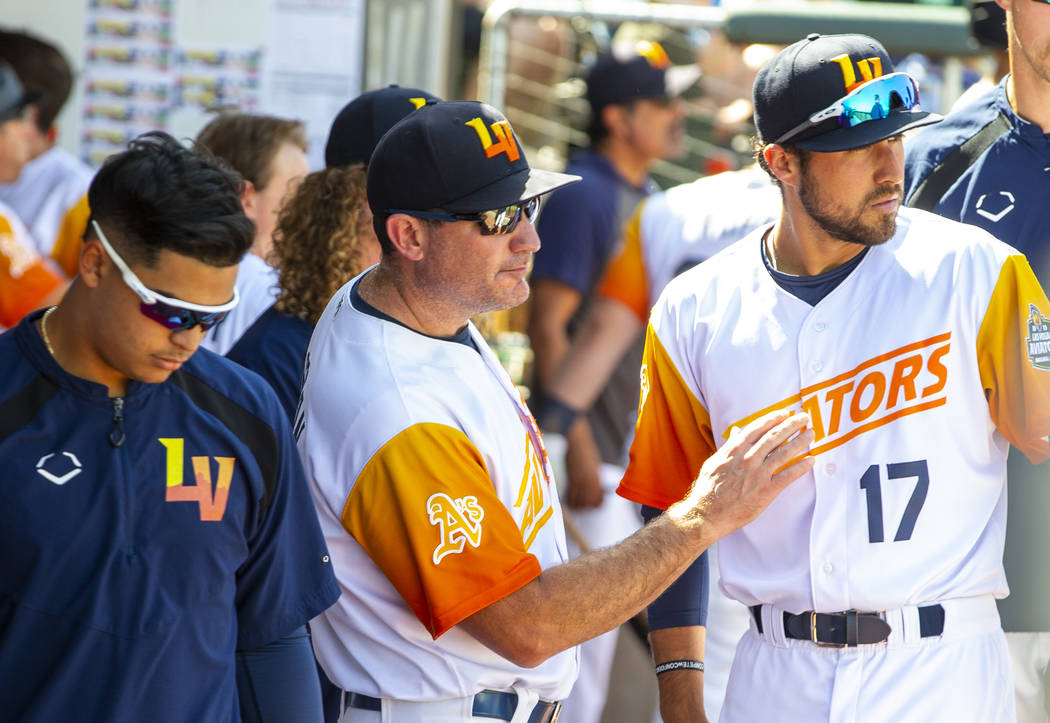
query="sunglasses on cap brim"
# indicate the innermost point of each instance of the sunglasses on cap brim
(492, 223)
(873, 100)
(172, 314)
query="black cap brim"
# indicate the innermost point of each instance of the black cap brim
(523, 185)
(846, 139)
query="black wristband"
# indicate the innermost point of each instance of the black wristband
(679, 665)
(554, 416)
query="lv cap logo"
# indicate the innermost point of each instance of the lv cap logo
(505, 142)
(869, 68)
(654, 53)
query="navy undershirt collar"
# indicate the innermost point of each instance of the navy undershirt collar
(810, 289)
(460, 337)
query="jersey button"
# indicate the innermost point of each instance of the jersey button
(816, 366)
(827, 568)
(820, 326)
(829, 468)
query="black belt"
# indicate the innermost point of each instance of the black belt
(496, 704)
(850, 628)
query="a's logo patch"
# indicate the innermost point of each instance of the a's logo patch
(418, 102)
(459, 521)
(504, 142)
(1038, 340)
(59, 469)
(212, 503)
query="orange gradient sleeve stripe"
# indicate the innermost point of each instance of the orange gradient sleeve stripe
(425, 510)
(66, 251)
(672, 437)
(1014, 372)
(25, 278)
(624, 278)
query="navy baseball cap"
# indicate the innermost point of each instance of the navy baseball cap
(13, 97)
(459, 156)
(636, 70)
(800, 95)
(363, 121)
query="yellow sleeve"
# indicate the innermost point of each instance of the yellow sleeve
(672, 437)
(1013, 355)
(66, 251)
(425, 510)
(624, 278)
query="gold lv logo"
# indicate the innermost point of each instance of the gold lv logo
(504, 143)
(869, 68)
(212, 504)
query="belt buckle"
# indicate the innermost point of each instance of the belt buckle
(813, 633)
(881, 614)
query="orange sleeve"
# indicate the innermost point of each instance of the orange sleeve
(66, 251)
(425, 510)
(26, 279)
(672, 437)
(1013, 355)
(624, 278)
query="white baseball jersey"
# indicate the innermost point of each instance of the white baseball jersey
(918, 369)
(49, 187)
(678, 228)
(436, 500)
(257, 289)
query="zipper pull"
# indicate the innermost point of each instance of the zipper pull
(116, 434)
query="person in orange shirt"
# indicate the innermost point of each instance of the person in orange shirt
(27, 281)
(50, 194)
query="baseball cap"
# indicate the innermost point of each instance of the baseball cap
(362, 122)
(636, 70)
(988, 24)
(13, 97)
(458, 156)
(803, 80)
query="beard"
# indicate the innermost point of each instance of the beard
(842, 224)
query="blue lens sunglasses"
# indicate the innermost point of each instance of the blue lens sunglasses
(869, 101)
(172, 314)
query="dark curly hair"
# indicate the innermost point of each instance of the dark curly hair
(160, 195)
(317, 241)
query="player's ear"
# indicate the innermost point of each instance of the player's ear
(614, 118)
(248, 200)
(784, 164)
(408, 235)
(89, 265)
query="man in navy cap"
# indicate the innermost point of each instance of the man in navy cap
(429, 474)
(919, 349)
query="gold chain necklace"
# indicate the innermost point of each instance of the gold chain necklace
(43, 330)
